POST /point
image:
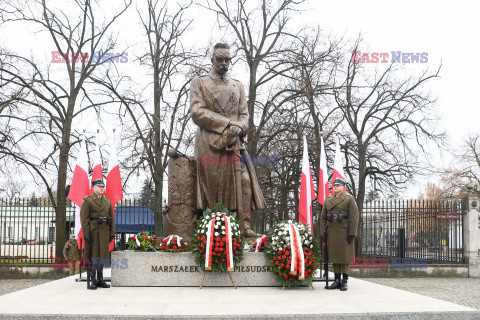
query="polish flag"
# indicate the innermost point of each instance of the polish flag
(97, 164)
(113, 189)
(79, 188)
(338, 165)
(323, 190)
(307, 193)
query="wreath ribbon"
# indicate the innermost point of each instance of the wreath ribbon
(298, 258)
(170, 238)
(229, 244)
(259, 243)
(209, 249)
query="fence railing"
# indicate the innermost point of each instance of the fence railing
(426, 230)
(423, 230)
(27, 228)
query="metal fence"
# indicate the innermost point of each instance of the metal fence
(27, 227)
(423, 230)
(393, 228)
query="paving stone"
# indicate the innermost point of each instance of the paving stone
(463, 291)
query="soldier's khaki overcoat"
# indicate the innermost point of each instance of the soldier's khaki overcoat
(94, 207)
(339, 251)
(71, 251)
(214, 101)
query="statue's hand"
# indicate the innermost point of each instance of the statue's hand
(237, 124)
(233, 131)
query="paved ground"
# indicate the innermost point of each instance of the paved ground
(12, 285)
(366, 300)
(464, 291)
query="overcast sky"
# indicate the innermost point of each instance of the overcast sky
(446, 30)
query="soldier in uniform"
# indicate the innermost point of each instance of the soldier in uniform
(338, 226)
(219, 109)
(72, 254)
(98, 228)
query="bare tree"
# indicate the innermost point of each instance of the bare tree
(52, 99)
(465, 169)
(389, 121)
(151, 129)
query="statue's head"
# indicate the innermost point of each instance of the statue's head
(221, 58)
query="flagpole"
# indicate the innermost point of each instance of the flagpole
(320, 206)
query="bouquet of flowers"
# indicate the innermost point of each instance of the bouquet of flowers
(293, 253)
(217, 240)
(259, 244)
(173, 243)
(143, 242)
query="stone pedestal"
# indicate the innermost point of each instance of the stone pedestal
(471, 233)
(180, 214)
(161, 269)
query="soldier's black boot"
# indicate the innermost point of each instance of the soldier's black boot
(337, 284)
(344, 286)
(100, 282)
(93, 283)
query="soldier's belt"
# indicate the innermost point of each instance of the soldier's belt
(337, 216)
(102, 220)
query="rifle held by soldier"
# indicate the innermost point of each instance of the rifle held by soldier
(325, 259)
(90, 277)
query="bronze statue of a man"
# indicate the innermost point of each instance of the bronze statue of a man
(224, 170)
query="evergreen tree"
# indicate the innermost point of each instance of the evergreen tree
(147, 196)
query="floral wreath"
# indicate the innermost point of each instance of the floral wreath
(217, 241)
(293, 253)
(173, 243)
(259, 244)
(142, 241)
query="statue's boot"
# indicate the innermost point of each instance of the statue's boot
(248, 232)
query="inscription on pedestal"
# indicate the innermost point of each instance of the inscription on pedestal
(155, 269)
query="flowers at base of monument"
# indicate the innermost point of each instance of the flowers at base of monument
(173, 243)
(217, 241)
(259, 244)
(143, 241)
(293, 253)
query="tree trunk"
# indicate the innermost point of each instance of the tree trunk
(60, 205)
(362, 165)
(158, 205)
(252, 140)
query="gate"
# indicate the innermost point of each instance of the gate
(424, 230)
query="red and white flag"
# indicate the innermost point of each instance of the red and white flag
(323, 190)
(338, 165)
(307, 193)
(113, 188)
(79, 188)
